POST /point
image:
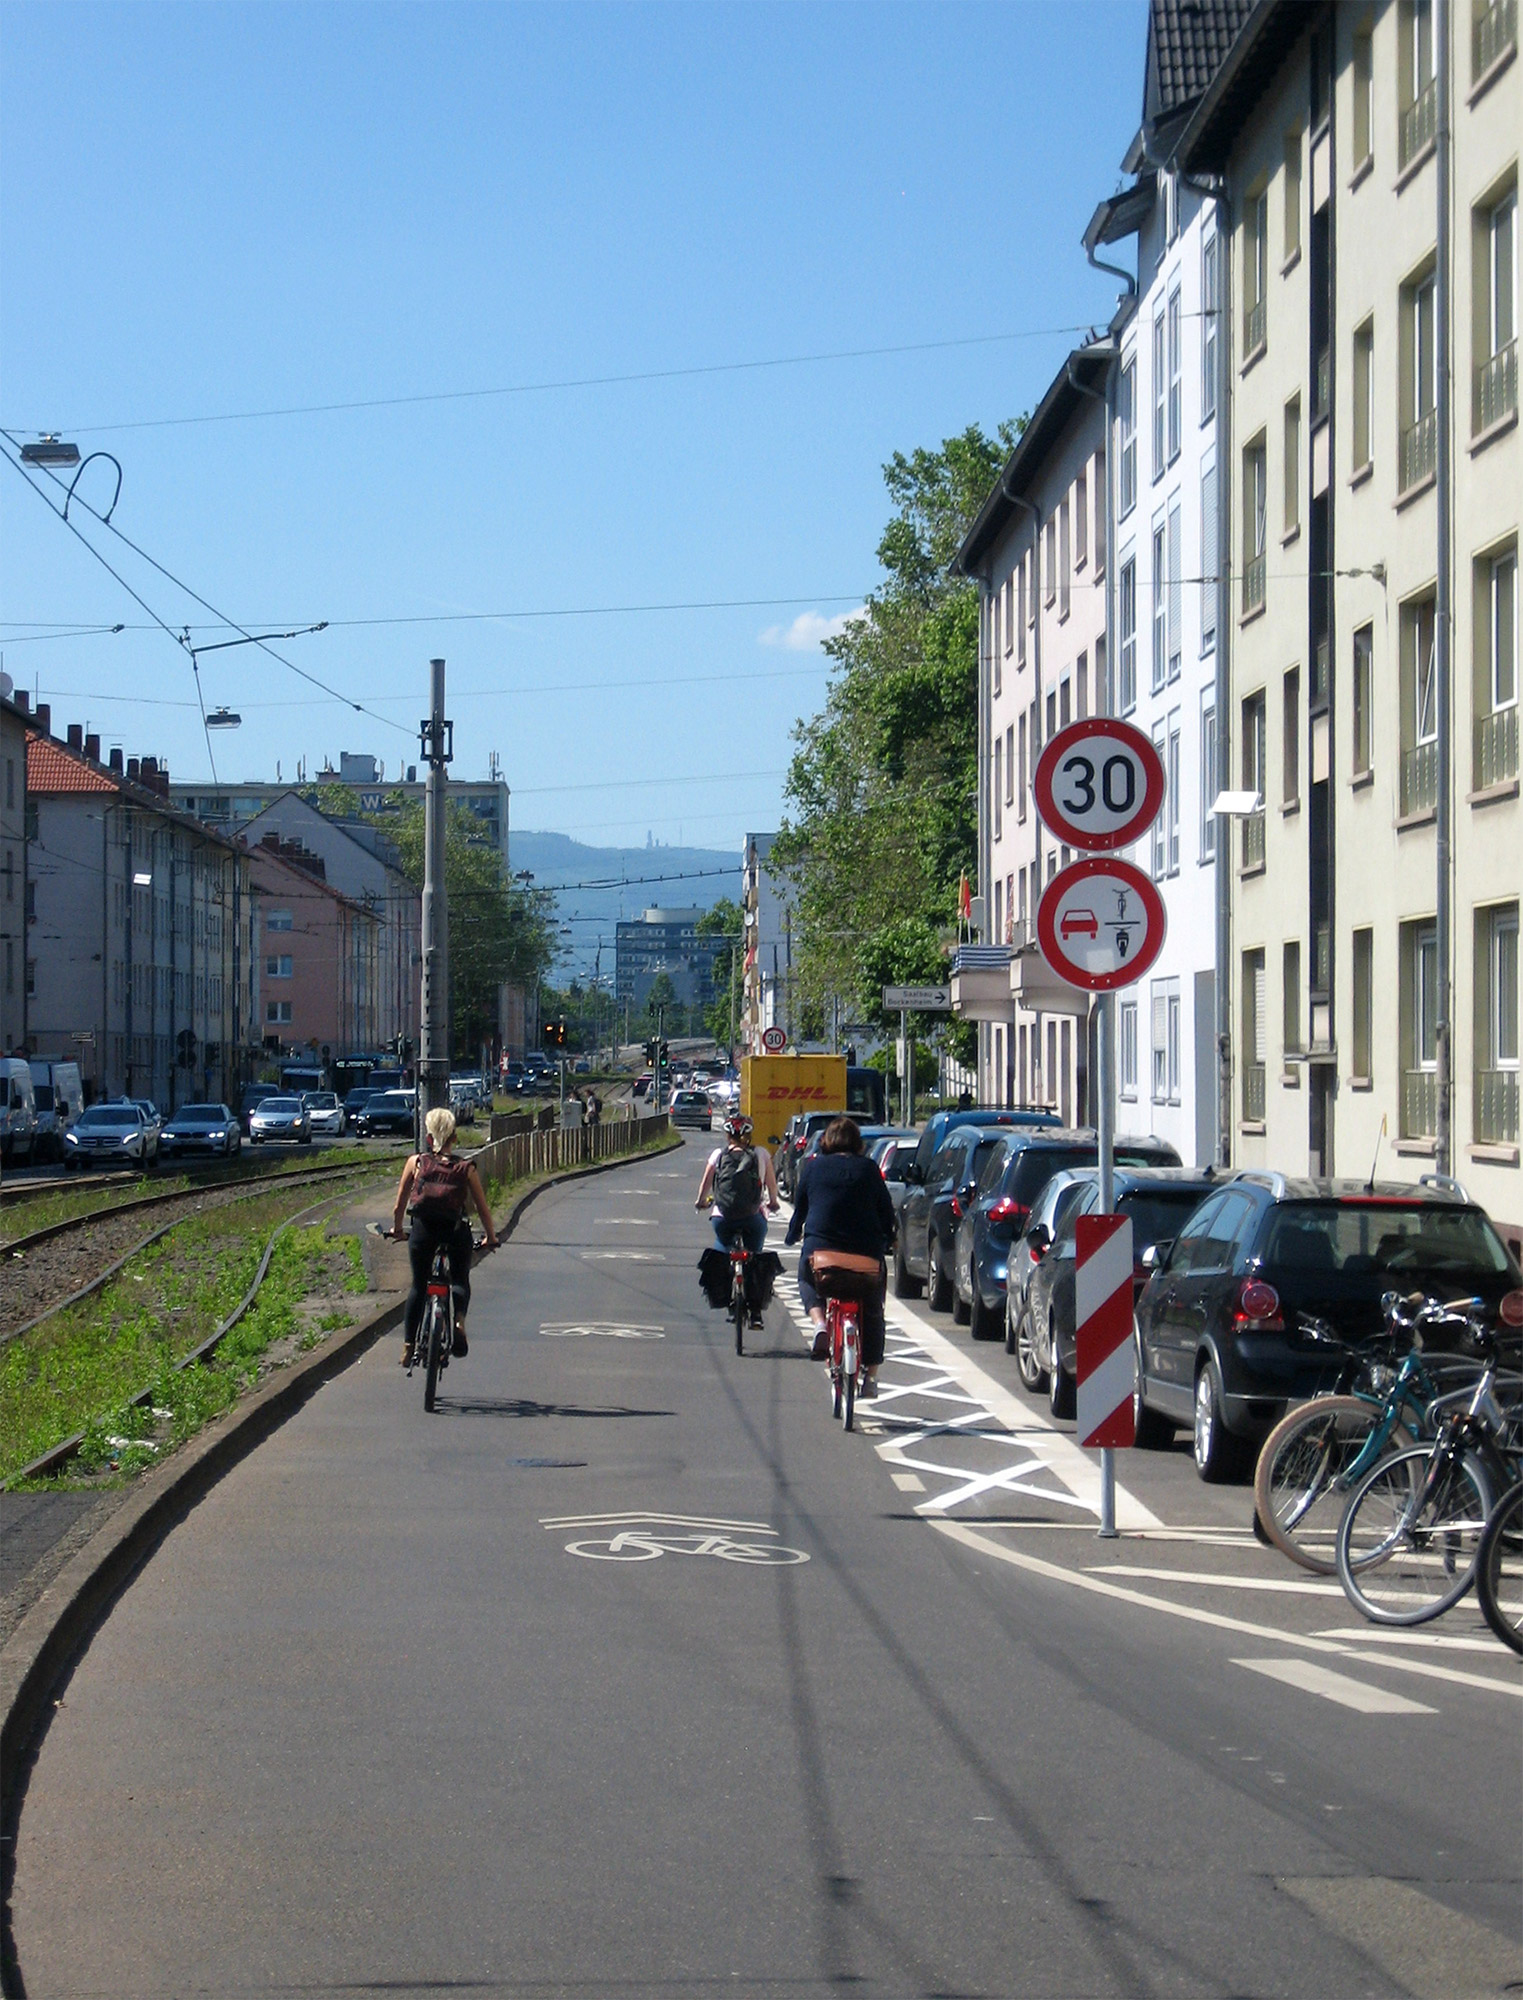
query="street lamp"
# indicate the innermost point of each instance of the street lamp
(50, 450)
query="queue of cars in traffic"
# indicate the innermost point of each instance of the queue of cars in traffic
(1250, 1288)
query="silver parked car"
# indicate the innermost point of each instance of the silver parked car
(111, 1135)
(280, 1118)
(324, 1112)
(201, 1128)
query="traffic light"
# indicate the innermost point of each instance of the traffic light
(663, 1055)
(185, 1049)
(650, 1052)
(555, 1034)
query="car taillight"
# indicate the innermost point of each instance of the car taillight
(1510, 1311)
(1258, 1306)
(956, 1209)
(1007, 1209)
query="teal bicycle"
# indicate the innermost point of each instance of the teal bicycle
(1320, 1451)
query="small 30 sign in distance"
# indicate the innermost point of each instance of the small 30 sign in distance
(1099, 784)
(774, 1040)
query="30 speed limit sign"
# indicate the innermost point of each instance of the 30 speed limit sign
(1099, 784)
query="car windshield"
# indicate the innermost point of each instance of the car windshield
(110, 1116)
(281, 1104)
(1158, 1214)
(200, 1114)
(1032, 1167)
(42, 1094)
(390, 1100)
(321, 1100)
(1385, 1242)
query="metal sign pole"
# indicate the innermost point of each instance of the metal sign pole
(906, 1081)
(434, 1052)
(1106, 1052)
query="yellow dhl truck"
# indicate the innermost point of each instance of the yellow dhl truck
(773, 1088)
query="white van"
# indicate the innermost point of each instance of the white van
(60, 1098)
(18, 1110)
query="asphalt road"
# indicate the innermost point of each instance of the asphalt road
(629, 1672)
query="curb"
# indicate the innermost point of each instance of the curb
(59, 1626)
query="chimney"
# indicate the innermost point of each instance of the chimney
(148, 773)
(92, 749)
(45, 718)
(22, 700)
(116, 759)
(76, 737)
(132, 769)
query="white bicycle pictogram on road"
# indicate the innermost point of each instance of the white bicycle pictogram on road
(647, 1544)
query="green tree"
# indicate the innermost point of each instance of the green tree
(882, 815)
(500, 932)
(725, 922)
(662, 998)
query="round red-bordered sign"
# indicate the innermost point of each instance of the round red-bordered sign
(774, 1040)
(1101, 924)
(1099, 784)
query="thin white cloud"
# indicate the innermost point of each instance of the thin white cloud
(808, 631)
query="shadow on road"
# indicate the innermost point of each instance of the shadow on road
(522, 1406)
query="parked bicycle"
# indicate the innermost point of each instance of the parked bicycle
(1499, 1569)
(1318, 1452)
(1409, 1540)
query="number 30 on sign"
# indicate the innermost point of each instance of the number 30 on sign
(1099, 784)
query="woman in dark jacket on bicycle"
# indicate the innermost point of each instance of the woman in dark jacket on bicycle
(842, 1204)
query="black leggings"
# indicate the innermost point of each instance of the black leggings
(869, 1304)
(423, 1239)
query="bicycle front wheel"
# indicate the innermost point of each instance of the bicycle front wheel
(1499, 1569)
(1407, 1544)
(433, 1335)
(738, 1314)
(1309, 1464)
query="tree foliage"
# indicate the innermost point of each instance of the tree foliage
(882, 812)
(724, 921)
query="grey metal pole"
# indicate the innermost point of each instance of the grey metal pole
(437, 746)
(1443, 611)
(906, 1080)
(1106, 1052)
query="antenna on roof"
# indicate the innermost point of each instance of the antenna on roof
(1369, 1186)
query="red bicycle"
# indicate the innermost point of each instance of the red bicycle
(843, 1277)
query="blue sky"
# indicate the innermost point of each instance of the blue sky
(210, 209)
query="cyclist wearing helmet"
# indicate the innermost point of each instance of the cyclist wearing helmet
(737, 1179)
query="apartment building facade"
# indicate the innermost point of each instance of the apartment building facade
(766, 908)
(1377, 480)
(319, 958)
(1038, 552)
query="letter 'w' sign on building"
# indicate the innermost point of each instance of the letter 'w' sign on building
(1105, 1361)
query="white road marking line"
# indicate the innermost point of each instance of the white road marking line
(1445, 1641)
(1341, 1688)
(627, 1256)
(665, 1520)
(908, 1482)
(1194, 1614)
(1286, 1585)
(633, 1221)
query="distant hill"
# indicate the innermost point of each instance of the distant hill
(628, 879)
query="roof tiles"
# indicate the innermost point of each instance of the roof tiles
(1189, 41)
(51, 769)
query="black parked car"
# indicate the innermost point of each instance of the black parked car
(1025, 1253)
(932, 1208)
(354, 1106)
(1000, 1210)
(393, 1112)
(797, 1133)
(940, 1123)
(1159, 1202)
(253, 1096)
(1232, 1325)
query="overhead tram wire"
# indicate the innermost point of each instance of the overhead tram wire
(230, 624)
(577, 382)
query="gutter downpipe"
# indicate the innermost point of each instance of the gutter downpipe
(1443, 614)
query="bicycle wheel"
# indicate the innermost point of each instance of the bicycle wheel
(1499, 1569)
(738, 1314)
(433, 1337)
(835, 1390)
(1408, 1541)
(848, 1399)
(1308, 1465)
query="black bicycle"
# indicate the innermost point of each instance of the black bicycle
(436, 1336)
(1499, 1569)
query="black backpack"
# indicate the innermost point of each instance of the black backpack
(738, 1181)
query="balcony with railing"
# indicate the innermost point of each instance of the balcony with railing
(1496, 748)
(1496, 1107)
(1253, 841)
(1495, 31)
(1253, 1093)
(1496, 387)
(1253, 584)
(1419, 124)
(1419, 1103)
(1254, 324)
(1419, 451)
(1419, 779)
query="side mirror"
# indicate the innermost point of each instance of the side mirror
(1039, 1238)
(913, 1175)
(1156, 1255)
(967, 1194)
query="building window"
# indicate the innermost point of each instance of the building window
(1494, 32)
(1160, 394)
(1021, 788)
(1496, 678)
(1159, 843)
(1176, 591)
(1253, 1037)
(1081, 520)
(1207, 780)
(1065, 702)
(1417, 443)
(1126, 418)
(1293, 467)
(1126, 692)
(1290, 747)
(278, 967)
(1051, 555)
(277, 1013)
(278, 920)
(1496, 975)
(1208, 558)
(1176, 375)
(1164, 999)
(1127, 1038)
(1255, 525)
(1208, 315)
(1171, 804)
(1065, 561)
(1255, 271)
(1419, 1009)
(998, 788)
(1290, 1000)
(1417, 121)
(1160, 656)
(1364, 697)
(1496, 367)
(1364, 1005)
(1010, 764)
(1292, 195)
(1419, 709)
(1009, 614)
(1253, 779)
(1364, 394)
(1020, 611)
(1364, 94)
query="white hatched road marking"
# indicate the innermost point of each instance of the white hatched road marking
(1333, 1686)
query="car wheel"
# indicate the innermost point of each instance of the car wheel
(1219, 1456)
(1151, 1431)
(906, 1286)
(938, 1286)
(1028, 1361)
(962, 1310)
(982, 1323)
(1062, 1391)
